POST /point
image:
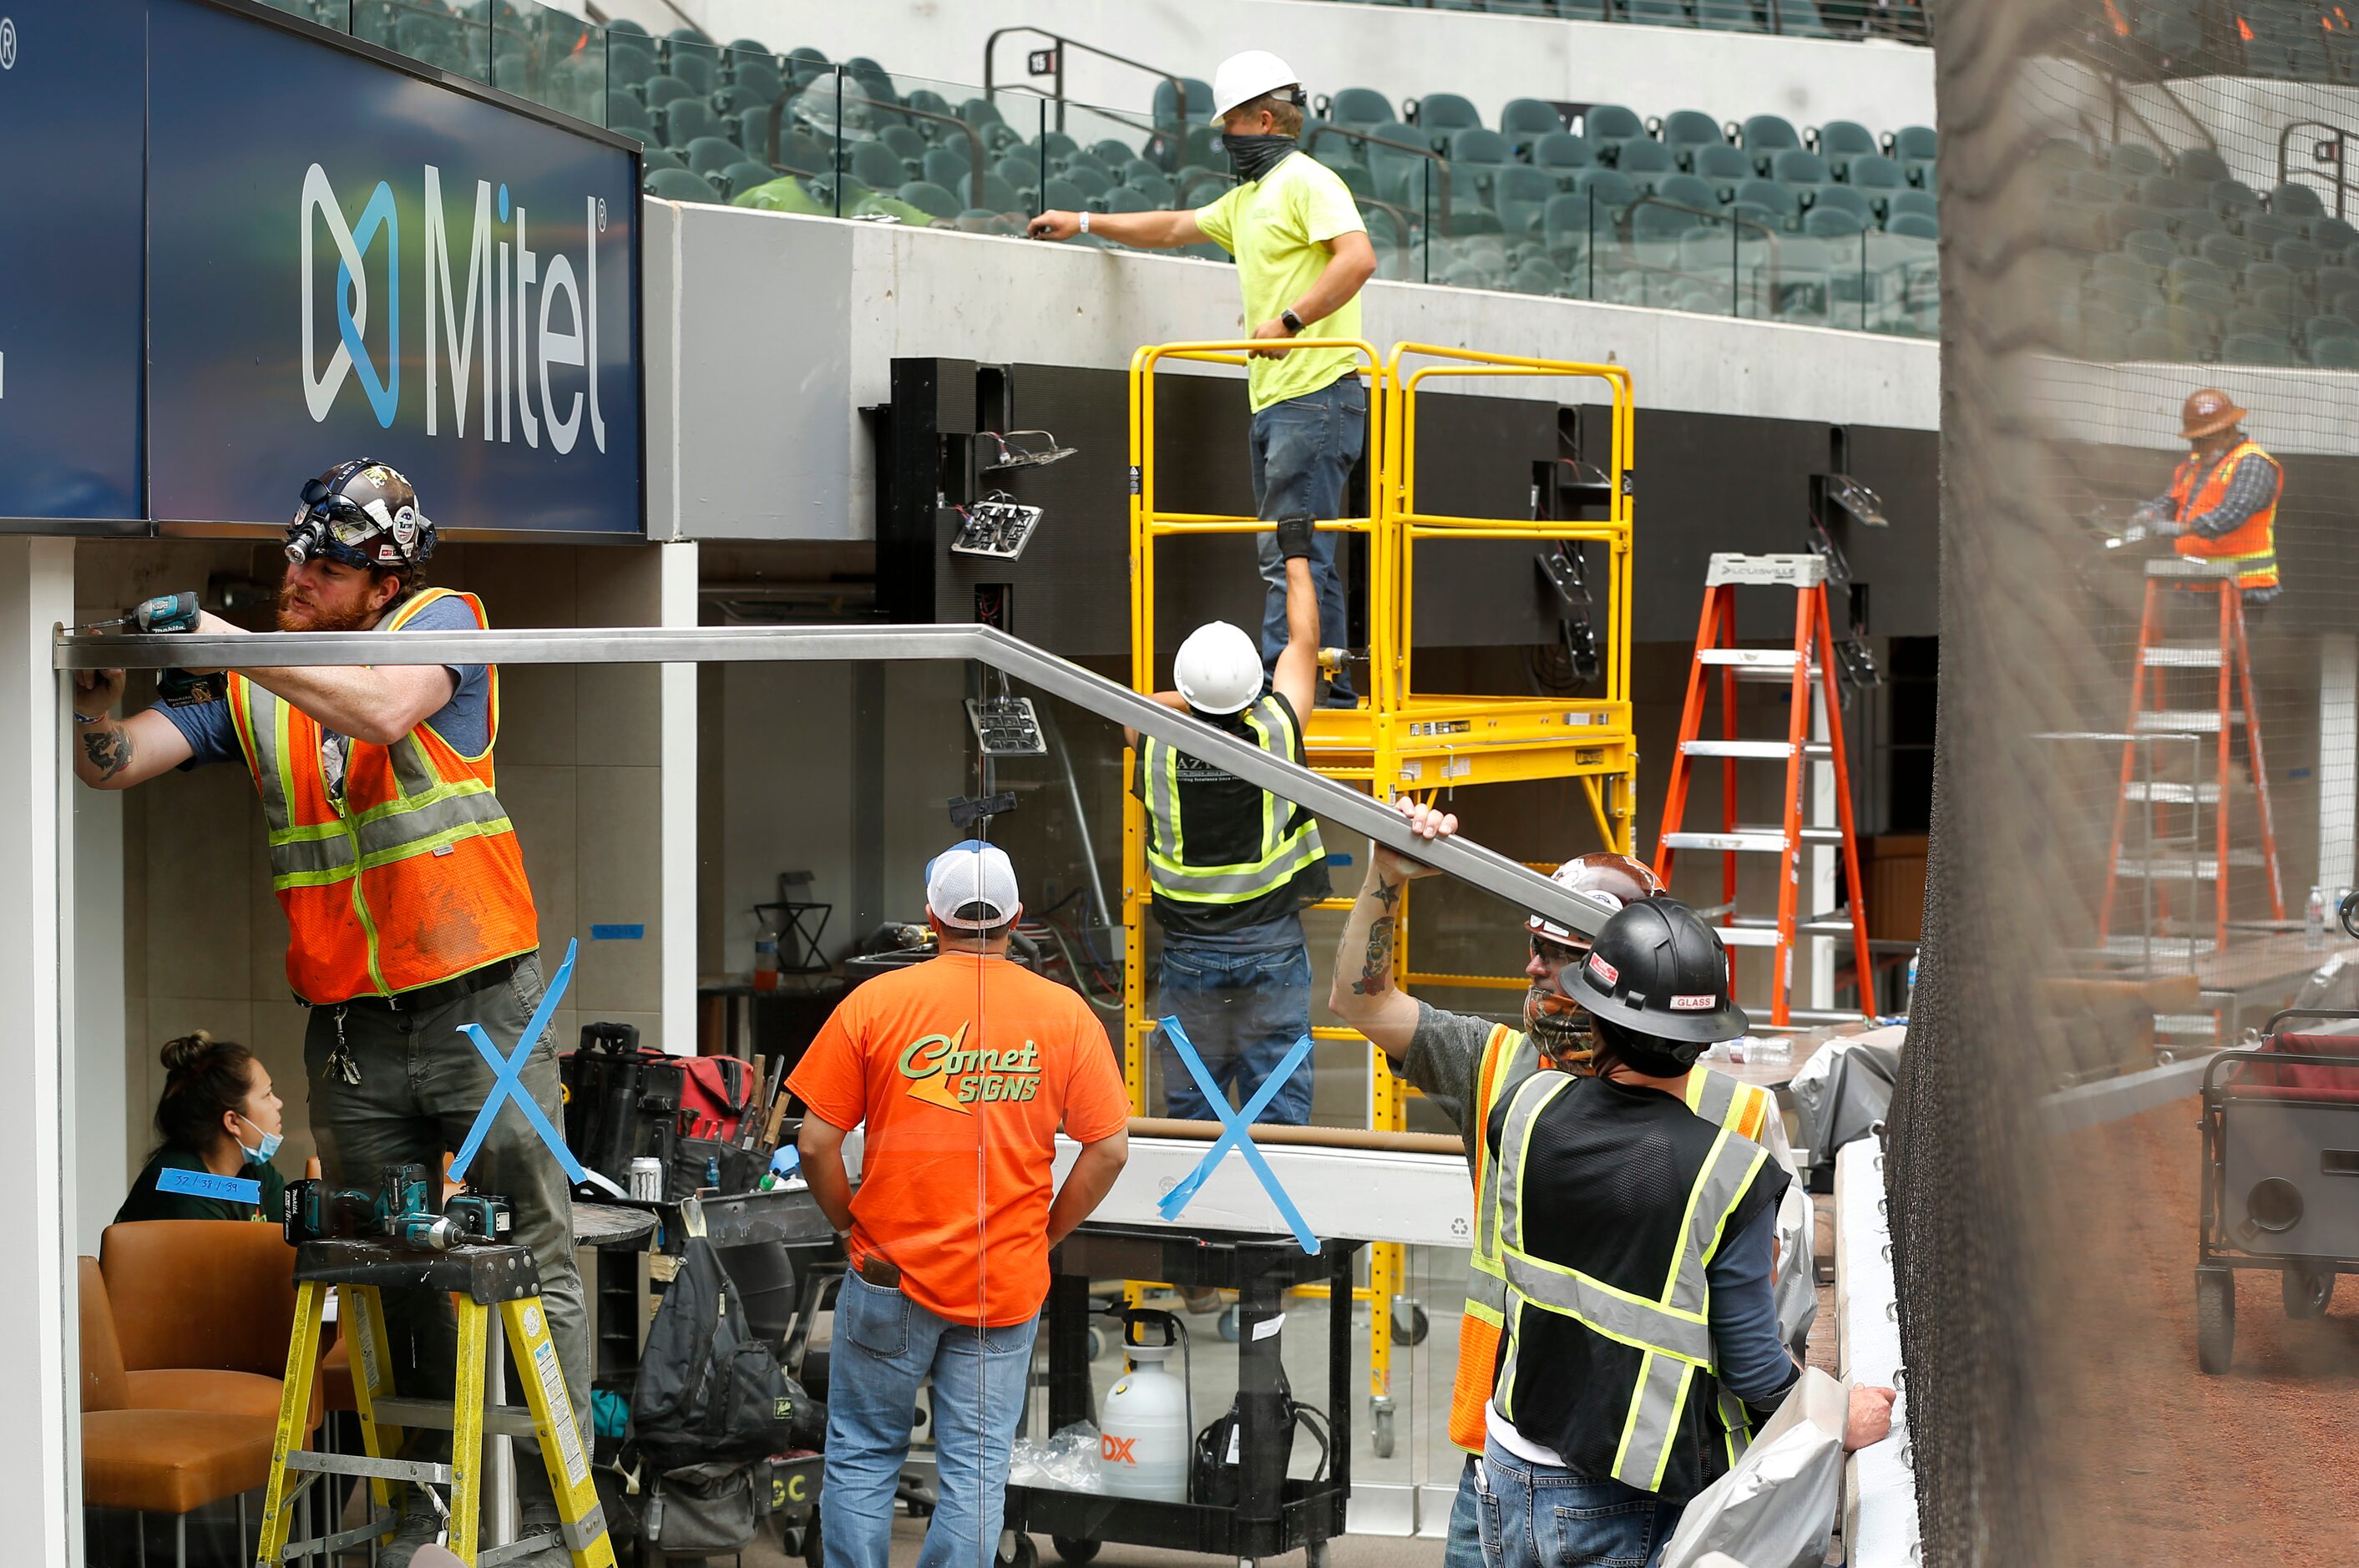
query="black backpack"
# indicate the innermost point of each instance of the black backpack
(711, 1389)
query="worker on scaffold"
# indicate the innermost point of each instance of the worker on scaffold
(2222, 506)
(1468, 1065)
(1302, 256)
(408, 913)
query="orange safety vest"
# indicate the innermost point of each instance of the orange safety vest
(412, 876)
(2252, 544)
(1507, 1059)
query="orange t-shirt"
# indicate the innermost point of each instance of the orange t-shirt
(963, 1067)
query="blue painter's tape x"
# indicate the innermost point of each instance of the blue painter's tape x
(1233, 1134)
(509, 1084)
(206, 1184)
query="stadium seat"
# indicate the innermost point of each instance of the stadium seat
(1646, 163)
(1610, 188)
(1123, 199)
(1564, 153)
(2232, 199)
(1916, 149)
(996, 195)
(1827, 223)
(2151, 343)
(680, 185)
(1091, 180)
(1797, 167)
(1609, 126)
(2331, 284)
(1520, 195)
(2296, 201)
(2128, 157)
(688, 118)
(932, 199)
(1765, 136)
(656, 157)
(663, 90)
(709, 155)
(1536, 276)
(1400, 176)
(1914, 225)
(1688, 191)
(1729, 15)
(1658, 13)
(2152, 244)
(758, 80)
(1167, 103)
(744, 175)
(874, 164)
(1441, 116)
(1922, 203)
(947, 166)
(1684, 130)
(1840, 141)
(1564, 227)
(1768, 195)
(1873, 171)
(696, 67)
(1524, 121)
(1839, 199)
(2202, 165)
(1363, 107)
(2335, 237)
(2299, 254)
(1023, 172)
(2254, 348)
(2337, 351)
(1157, 188)
(2266, 229)
(1726, 166)
(1478, 146)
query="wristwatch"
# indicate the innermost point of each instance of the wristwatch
(1084, 218)
(1293, 322)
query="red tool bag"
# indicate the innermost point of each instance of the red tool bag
(714, 1090)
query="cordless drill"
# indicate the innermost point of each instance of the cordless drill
(168, 613)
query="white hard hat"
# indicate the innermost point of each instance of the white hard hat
(1218, 669)
(1247, 76)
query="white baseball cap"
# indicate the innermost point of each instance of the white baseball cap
(968, 873)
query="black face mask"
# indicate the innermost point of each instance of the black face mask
(1257, 155)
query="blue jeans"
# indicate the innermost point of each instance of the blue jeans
(886, 1345)
(1533, 1516)
(1464, 1547)
(1243, 1012)
(1303, 453)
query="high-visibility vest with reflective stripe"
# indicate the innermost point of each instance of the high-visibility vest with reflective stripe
(1669, 1329)
(1507, 1059)
(412, 876)
(2251, 545)
(1285, 845)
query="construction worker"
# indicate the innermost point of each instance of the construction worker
(1302, 258)
(1232, 865)
(1468, 1065)
(408, 910)
(1620, 1397)
(2223, 501)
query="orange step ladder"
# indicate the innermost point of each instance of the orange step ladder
(2228, 656)
(1814, 736)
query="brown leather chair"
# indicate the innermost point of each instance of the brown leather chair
(203, 1309)
(152, 1460)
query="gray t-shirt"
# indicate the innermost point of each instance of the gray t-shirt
(1444, 1063)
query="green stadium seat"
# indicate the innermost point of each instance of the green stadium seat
(656, 157)
(984, 117)
(2202, 165)
(1483, 148)
(680, 185)
(2126, 157)
(1524, 121)
(1022, 172)
(1609, 188)
(805, 65)
(1830, 223)
(947, 166)
(2338, 351)
(933, 200)
(1610, 124)
(686, 119)
(994, 195)
(1091, 181)
(2151, 343)
(874, 164)
(1689, 190)
(1658, 13)
(1534, 275)
(1729, 15)
(1837, 199)
(1647, 162)
(1840, 141)
(1765, 136)
(700, 69)
(1684, 130)
(1157, 188)
(1439, 116)
(1199, 102)
(1875, 173)
(744, 175)
(1520, 195)
(1801, 19)
(662, 89)
(2154, 246)
(1123, 199)
(1798, 166)
(709, 156)
(1726, 166)
(2266, 229)
(1562, 153)
(2254, 348)
(1363, 107)
(1923, 204)
(1914, 225)
(1059, 192)
(2296, 201)
(1768, 196)
(2299, 254)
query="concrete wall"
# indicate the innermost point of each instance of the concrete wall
(763, 383)
(581, 756)
(1401, 51)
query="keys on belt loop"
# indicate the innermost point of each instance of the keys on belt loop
(340, 1055)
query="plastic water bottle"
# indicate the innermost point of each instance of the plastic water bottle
(1910, 1005)
(2313, 919)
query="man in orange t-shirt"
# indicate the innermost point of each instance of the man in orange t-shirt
(961, 1070)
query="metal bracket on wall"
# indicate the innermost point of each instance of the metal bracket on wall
(1338, 804)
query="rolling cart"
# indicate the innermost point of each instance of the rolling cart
(1274, 1513)
(2280, 1187)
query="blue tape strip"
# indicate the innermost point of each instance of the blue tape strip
(206, 1184)
(509, 1084)
(618, 934)
(1234, 1125)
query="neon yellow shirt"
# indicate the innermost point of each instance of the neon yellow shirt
(1280, 228)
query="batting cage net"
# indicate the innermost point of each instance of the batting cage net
(2121, 1333)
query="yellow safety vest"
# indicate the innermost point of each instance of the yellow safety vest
(1287, 843)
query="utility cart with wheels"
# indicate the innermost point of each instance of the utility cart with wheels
(1273, 1514)
(2281, 1186)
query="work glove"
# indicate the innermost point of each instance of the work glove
(1294, 534)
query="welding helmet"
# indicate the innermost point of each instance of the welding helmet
(1608, 880)
(361, 513)
(1655, 980)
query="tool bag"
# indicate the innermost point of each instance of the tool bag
(697, 1163)
(710, 1390)
(703, 1510)
(621, 1101)
(716, 1091)
(1214, 1477)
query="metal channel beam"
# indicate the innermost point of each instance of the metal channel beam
(1334, 802)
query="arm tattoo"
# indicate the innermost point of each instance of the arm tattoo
(1377, 971)
(108, 746)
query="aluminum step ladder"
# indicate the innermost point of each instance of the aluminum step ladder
(2208, 717)
(1814, 739)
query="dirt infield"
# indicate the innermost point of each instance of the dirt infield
(2258, 1466)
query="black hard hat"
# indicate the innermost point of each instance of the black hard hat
(360, 513)
(1656, 970)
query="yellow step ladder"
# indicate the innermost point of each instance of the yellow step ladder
(482, 1280)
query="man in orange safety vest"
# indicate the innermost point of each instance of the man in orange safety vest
(2223, 501)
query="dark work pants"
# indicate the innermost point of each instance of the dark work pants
(422, 1085)
(1303, 451)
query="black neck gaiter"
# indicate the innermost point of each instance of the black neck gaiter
(1254, 157)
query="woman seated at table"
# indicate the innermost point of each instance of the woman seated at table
(218, 1117)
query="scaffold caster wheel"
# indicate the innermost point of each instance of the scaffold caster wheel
(1025, 1554)
(1228, 1324)
(2215, 1319)
(1380, 1427)
(1073, 1551)
(1097, 1343)
(1410, 1324)
(2307, 1291)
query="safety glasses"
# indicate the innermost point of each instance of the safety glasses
(1555, 954)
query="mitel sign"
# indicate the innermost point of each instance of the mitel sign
(507, 328)
(348, 260)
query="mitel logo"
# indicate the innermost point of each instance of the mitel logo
(531, 316)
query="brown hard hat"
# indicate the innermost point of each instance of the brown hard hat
(2207, 413)
(1605, 879)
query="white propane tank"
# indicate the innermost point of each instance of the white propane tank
(1144, 1443)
